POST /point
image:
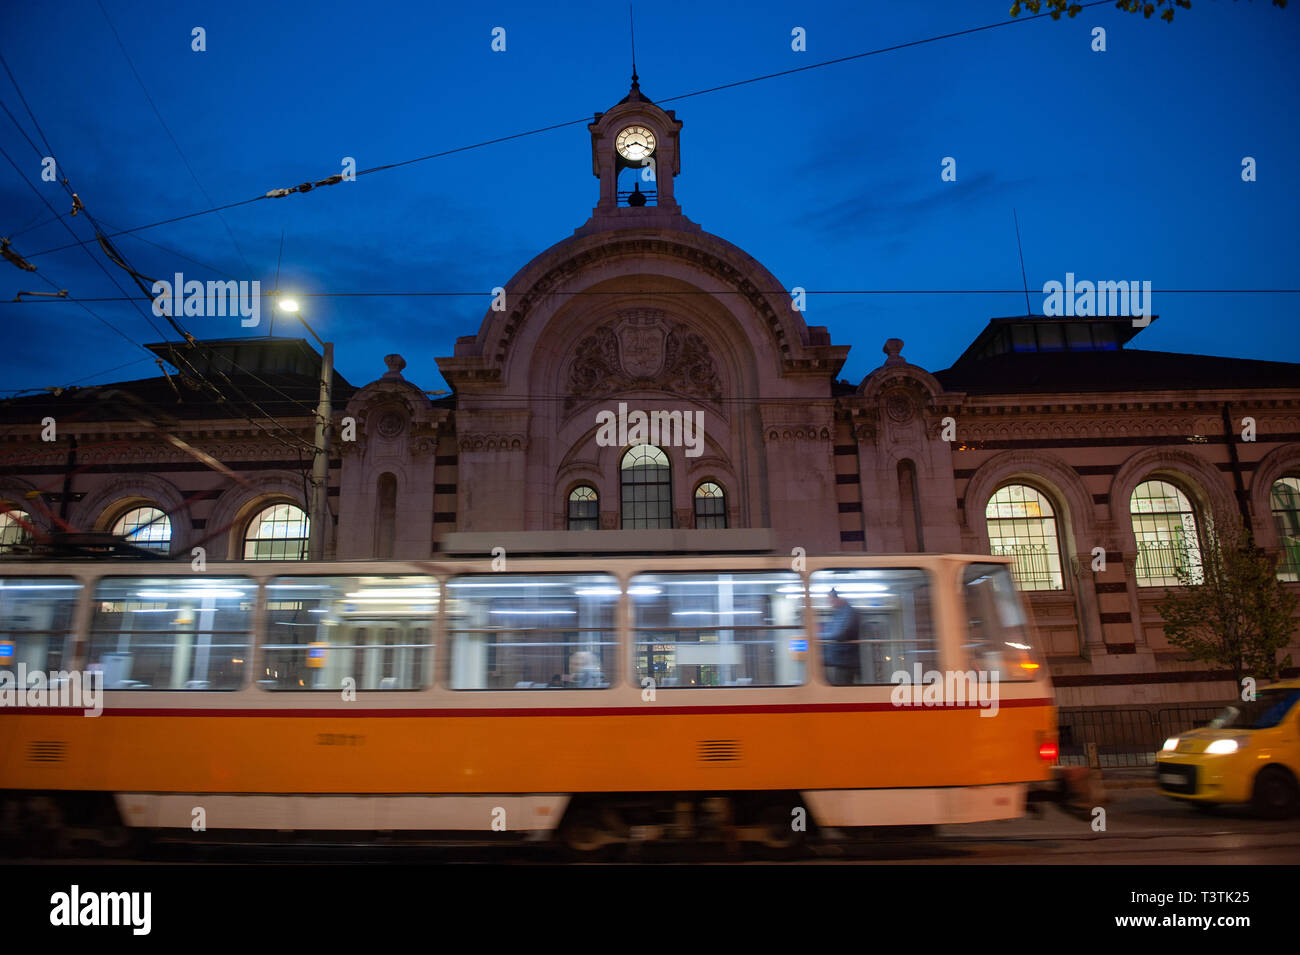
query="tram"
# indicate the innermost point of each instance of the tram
(594, 701)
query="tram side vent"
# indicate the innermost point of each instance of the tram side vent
(719, 750)
(46, 750)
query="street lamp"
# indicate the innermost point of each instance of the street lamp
(318, 509)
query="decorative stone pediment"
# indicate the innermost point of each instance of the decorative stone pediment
(642, 349)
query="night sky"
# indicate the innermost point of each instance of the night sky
(1122, 165)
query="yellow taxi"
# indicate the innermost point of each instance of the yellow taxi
(1249, 754)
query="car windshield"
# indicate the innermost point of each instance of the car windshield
(1266, 711)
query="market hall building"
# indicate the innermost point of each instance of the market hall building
(1049, 439)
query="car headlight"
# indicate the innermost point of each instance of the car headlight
(1222, 746)
(1171, 744)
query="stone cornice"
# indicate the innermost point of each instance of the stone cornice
(1059, 424)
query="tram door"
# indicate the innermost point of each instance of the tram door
(381, 654)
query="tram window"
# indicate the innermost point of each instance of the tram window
(998, 638)
(717, 629)
(172, 633)
(324, 631)
(36, 622)
(890, 627)
(516, 632)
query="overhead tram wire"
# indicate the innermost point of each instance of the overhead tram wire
(554, 126)
(384, 293)
(189, 369)
(43, 199)
(136, 275)
(16, 392)
(119, 259)
(167, 130)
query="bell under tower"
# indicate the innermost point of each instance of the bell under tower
(635, 153)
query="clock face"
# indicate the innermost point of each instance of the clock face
(635, 143)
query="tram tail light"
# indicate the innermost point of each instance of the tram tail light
(1048, 750)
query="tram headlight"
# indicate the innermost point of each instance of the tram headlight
(1171, 744)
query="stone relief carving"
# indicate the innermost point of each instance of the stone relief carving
(899, 407)
(643, 349)
(391, 423)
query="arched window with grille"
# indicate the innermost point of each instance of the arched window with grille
(646, 480)
(584, 509)
(1022, 526)
(1285, 495)
(278, 532)
(1164, 527)
(710, 506)
(13, 529)
(146, 527)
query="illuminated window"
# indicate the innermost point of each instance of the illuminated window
(172, 633)
(1164, 526)
(998, 635)
(372, 633)
(647, 488)
(546, 631)
(1286, 515)
(146, 527)
(36, 622)
(1022, 526)
(13, 529)
(710, 506)
(584, 509)
(703, 629)
(873, 623)
(279, 532)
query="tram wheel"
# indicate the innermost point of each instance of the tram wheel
(584, 837)
(778, 839)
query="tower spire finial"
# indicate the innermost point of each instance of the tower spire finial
(631, 23)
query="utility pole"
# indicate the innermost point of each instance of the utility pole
(320, 514)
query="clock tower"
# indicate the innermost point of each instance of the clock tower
(635, 155)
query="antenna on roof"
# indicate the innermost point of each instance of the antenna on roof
(1021, 250)
(632, 31)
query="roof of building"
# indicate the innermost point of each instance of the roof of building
(1117, 370)
(1032, 354)
(245, 378)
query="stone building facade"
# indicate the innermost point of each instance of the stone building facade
(1048, 439)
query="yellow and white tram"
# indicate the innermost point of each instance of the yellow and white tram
(599, 700)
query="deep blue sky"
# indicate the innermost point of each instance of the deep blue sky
(1122, 165)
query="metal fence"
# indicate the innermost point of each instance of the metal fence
(1125, 737)
(1165, 562)
(1035, 568)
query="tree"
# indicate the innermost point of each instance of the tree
(1056, 7)
(1240, 615)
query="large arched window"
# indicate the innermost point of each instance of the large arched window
(146, 527)
(646, 480)
(13, 529)
(1164, 526)
(710, 506)
(1022, 526)
(278, 532)
(584, 509)
(1286, 515)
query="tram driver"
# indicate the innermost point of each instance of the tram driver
(840, 642)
